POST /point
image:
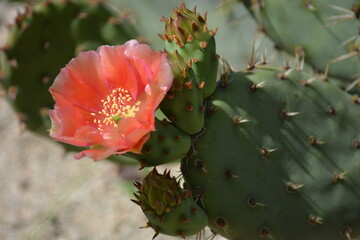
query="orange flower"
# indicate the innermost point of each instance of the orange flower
(106, 99)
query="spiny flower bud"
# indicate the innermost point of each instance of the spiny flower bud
(185, 25)
(158, 193)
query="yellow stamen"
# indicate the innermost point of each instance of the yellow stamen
(117, 105)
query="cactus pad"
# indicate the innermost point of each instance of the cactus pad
(280, 158)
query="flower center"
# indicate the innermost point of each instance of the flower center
(117, 105)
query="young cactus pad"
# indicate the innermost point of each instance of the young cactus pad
(42, 41)
(280, 158)
(326, 32)
(169, 209)
(187, 32)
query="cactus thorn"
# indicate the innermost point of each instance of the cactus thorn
(82, 15)
(148, 224)
(355, 99)
(142, 165)
(210, 110)
(266, 152)
(339, 176)
(162, 36)
(356, 144)
(292, 187)
(264, 59)
(253, 87)
(324, 77)
(44, 111)
(194, 27)
(45, 80)
(313, 220)
(199, 163)
(189, 38)
(221, 222)
(188, 85)
(314, 141)
(5, 48)
(167, 37)
(251, 62)
(201, 19)
(285, 75)
(135, 201)
(203, 45)
(79, 48)
(299, 57)
(352, 85)
(190, 107)
(194, 210)
(331, 111)
(213, 32)
(12, 92)
(161, 138)
(351, 54)
(147, 150)
(230, 175)
(205, 28)
(265, 233)
(201, 85)
(239, 120)
(13, 63)
(137, 185)
(157, 232)
(170, 95)
(307, 82)
(185, 72)
(253, 203)
(165, 20)
(285, 114)
(309, 5)
(166, 152)
(185, 220)
(346, 232)
(181, 234)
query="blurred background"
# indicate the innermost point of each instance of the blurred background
(45, 193)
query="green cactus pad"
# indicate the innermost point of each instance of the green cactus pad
(165, 144)
(42, 41)
(280, 158)
(169, 209)
(326, 30)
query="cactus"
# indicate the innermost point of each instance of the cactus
(279, 158)
(268, 153)
(42, 41)
(191, 49)
(325, 32)
(169, 209)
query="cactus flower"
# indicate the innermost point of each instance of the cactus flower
(106, 99)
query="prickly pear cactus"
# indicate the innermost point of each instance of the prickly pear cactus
(170, 209)
(326, 32)
(42, 41)
(279, 158)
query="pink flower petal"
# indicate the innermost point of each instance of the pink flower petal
(93, 105)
